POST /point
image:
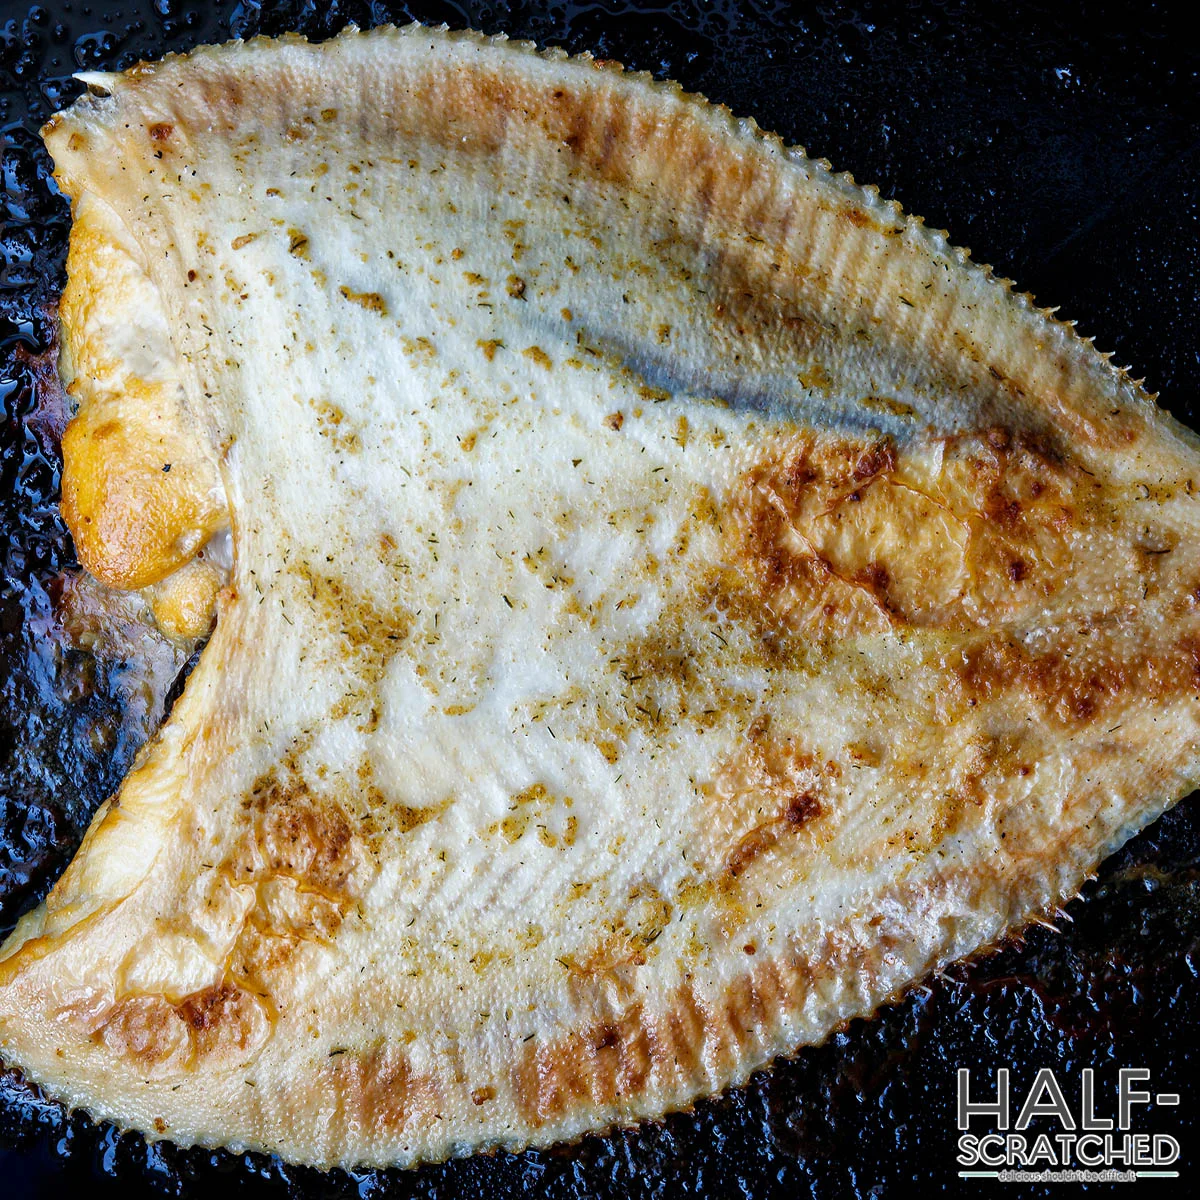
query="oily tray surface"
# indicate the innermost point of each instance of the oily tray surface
(929, 1147)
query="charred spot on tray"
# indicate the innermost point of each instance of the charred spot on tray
(52, 404)
(175, 690)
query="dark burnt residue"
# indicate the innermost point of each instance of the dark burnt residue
(1062, 146)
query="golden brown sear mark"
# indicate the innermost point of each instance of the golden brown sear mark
(308, 864)
(373, 628)
(610, 959)
(1073, 689)
(843, 537)
(376, 1086)
(605, 1060)
(222, 1025)
(305, 864)
(225, 1020)
(801, 808)
(615, 1054)
(304, 837)
(767, 792)
(371, 301)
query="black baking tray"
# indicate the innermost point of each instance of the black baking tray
(1062, 143)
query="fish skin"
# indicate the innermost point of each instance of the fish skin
(918, 555)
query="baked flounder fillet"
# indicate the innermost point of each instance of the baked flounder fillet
(677, 601)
